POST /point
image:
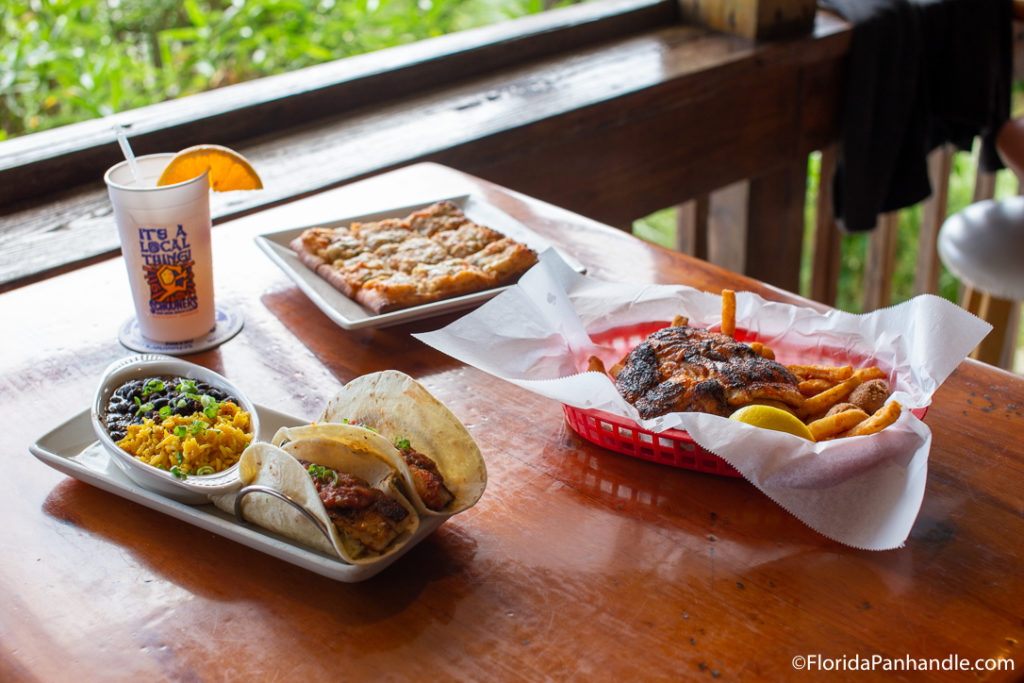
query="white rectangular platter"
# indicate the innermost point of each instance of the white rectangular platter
(349, 314)
(72, 448)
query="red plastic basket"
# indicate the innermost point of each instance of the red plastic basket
(620, 434)
(672, 447)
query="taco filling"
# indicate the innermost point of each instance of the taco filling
(426, 478)
(356, 508)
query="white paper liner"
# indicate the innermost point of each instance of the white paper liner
(861, 491)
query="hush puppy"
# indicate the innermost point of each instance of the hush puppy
(870, 396)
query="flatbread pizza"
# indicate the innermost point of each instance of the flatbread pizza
(430, 255)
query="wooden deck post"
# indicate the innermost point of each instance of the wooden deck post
(760, 19)
(756, 226)
(827, 256)
(933, 214)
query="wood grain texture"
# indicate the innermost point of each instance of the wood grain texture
(577, 563)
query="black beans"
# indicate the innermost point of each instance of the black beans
(156, 397)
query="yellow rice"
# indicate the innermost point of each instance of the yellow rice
(217, 446)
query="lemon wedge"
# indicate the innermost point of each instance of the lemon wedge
(228, 169)
(768, 417)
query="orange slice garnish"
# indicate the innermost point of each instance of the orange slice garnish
(228, 169)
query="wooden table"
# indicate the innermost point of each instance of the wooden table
(577, 563)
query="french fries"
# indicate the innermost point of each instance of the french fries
(868, 374)
(881, 419)
(729, 313)
(821, 402)
(762, 350)
(829, 373)
(810, 387)
(830, 425)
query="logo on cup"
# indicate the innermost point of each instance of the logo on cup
(167, 264)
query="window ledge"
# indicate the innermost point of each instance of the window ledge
(576, 125)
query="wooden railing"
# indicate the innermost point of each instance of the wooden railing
(999, 347)
(704, 228)
(612, 110)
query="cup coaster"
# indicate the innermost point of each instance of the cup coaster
(227, 325)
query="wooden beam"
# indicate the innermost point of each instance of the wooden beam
(692, 227)
(775, 226)
(933, 214)
(756, 226)
(826, 259)
(760, 19)
(881, 258)
(998, 347)
(728, 217)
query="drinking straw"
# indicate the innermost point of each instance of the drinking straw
(122, 140)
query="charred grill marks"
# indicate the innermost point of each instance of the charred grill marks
(686, 369)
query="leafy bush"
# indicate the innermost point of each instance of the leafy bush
(63, 61)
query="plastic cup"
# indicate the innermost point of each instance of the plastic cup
(165, 240)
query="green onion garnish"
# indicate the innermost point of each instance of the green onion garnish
(320, 472)
(176, 471)
(210, 406)
(187, 386)
(152, 386)
(402, 444)
(180, 432)
(205, 469)
(143, 407)
(346, 421)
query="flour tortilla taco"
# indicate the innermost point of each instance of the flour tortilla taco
(351, 491)
(438, 460)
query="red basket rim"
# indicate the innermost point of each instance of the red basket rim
(651, 445)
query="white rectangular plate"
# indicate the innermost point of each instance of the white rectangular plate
(72, 448)
(349, 314)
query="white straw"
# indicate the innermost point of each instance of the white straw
(122, 140)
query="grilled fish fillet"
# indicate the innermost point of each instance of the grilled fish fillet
(686, 369)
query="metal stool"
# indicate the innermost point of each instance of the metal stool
(983, 246)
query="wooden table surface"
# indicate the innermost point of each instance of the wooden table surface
(577, 563)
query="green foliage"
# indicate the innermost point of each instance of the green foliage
(659, 227)
(63, 61)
